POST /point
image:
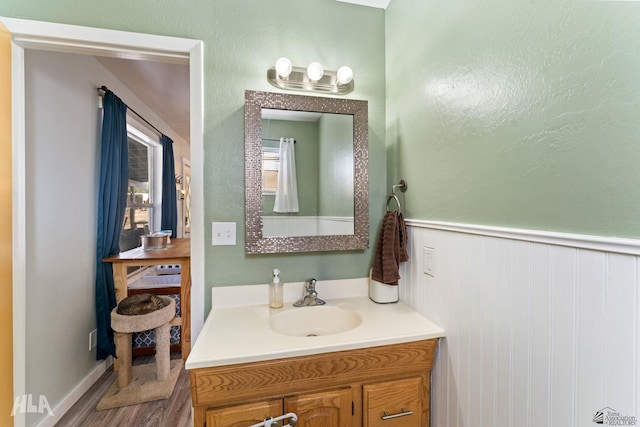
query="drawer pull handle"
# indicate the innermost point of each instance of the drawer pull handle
(404, 413)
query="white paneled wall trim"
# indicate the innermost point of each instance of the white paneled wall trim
(542, 329)
(583, 241)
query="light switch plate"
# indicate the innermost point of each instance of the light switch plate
(223, 233)
(429, 261)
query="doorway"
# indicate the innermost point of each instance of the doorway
(95, 42)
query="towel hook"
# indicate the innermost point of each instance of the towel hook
(403, 187)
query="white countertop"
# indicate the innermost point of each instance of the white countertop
(240, 334)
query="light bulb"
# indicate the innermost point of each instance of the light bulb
(315, 71)
(344, 75)
(283, 67)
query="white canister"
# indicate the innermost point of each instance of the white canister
(381, 292)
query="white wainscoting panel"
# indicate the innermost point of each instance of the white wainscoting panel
(537, 334)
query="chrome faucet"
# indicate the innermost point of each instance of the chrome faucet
(310, 295)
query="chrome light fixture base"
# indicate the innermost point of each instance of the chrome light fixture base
(299, 80)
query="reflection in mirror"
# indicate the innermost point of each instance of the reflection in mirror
(323, 173)
(330, 152)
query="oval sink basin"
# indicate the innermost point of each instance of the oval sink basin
(314, 321)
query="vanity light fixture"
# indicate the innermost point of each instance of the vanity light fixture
(313, 78)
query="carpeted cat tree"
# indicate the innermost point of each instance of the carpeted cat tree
(143, 383)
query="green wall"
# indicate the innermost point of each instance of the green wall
(516, 114)
(242, 39)
(250, 35)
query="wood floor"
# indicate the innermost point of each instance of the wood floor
(172, 412)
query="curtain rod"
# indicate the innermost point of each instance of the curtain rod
(104, 89)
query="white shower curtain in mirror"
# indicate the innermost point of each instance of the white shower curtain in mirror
(287, 188)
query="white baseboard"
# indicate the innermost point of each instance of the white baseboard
(78, 391)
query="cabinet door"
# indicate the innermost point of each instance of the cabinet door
(244, 415)
(393, 403)
(325, 409)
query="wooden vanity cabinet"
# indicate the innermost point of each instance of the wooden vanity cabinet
(369, 387)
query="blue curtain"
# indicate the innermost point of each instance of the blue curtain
(169, 220)
(112, 201)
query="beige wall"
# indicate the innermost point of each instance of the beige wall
(6, 313)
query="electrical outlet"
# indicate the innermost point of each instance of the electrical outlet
(93, 339)
(223, 233)
(429, 261)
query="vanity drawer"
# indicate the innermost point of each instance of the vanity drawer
(393, 403)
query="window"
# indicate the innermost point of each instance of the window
(141, 212)
(270, 168)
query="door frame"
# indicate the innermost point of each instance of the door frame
(28, 34)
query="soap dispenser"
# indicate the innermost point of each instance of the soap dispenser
(275, 290)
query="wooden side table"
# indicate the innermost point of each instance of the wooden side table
(177, 253)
